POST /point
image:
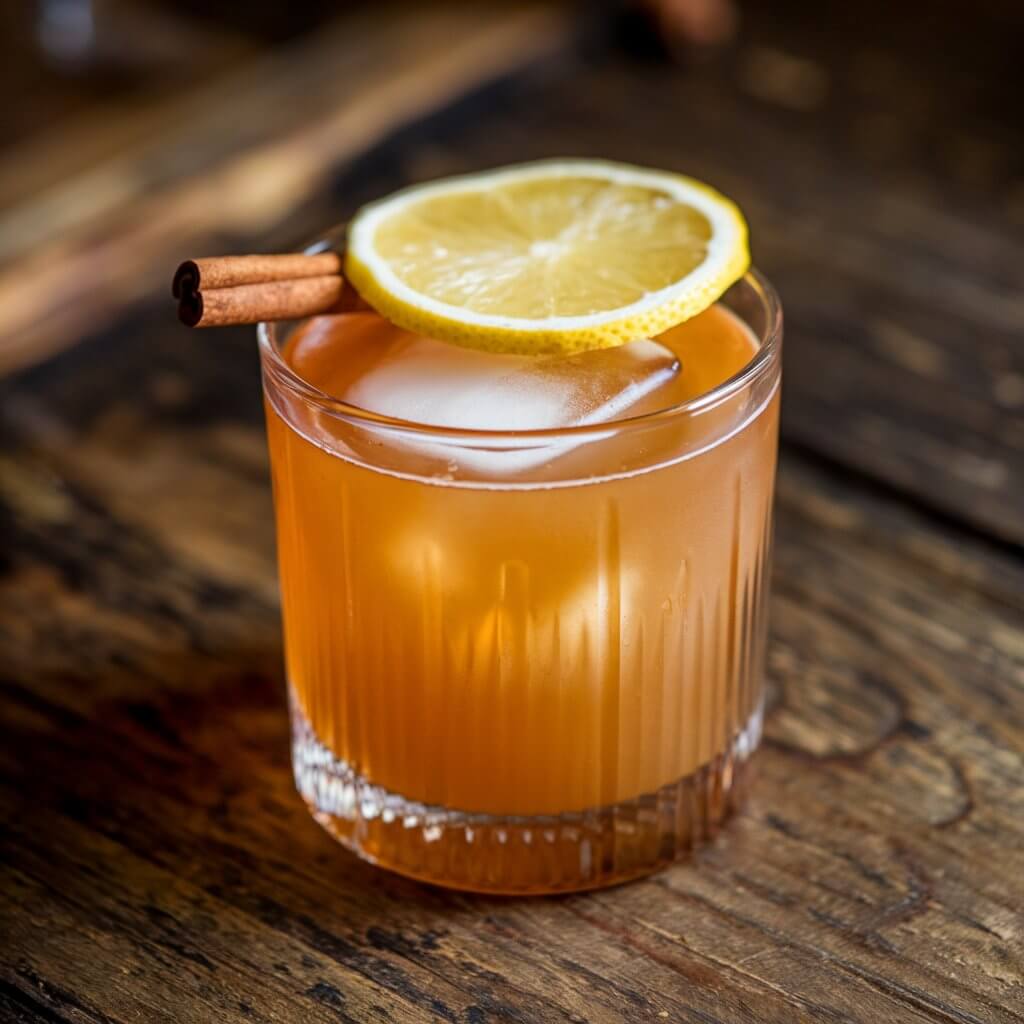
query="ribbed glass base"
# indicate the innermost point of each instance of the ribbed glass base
(519, 855)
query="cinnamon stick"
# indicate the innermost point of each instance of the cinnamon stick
(271, 300)
(228, 271)
(221, 290)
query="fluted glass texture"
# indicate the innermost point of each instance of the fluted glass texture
(536, 682)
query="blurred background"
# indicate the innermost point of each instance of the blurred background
(876, 148)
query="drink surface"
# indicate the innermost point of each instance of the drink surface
(514, 630)
(364, 359)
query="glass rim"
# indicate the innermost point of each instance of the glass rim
(766, 357)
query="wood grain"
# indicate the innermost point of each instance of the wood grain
(155, 862)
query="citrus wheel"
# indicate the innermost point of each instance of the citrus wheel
(553, 256)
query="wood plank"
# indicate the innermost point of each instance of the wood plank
(159, 864)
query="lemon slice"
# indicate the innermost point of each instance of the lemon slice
(554, 256)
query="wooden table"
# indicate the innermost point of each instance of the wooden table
(156, 863)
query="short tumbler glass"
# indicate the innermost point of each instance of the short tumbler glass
(535, 681)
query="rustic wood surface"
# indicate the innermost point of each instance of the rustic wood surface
(156, 864)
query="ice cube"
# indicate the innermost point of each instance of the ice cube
(442, 385)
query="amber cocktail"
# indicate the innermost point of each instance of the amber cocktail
(524, 659)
